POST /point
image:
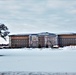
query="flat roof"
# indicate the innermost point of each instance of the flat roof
(22, 34)
(42, 33)
(68, 34)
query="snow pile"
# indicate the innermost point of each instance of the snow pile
(69, 48)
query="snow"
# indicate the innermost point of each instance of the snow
(38, 60)
(2, 41)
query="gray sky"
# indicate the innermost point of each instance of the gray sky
(30, 16)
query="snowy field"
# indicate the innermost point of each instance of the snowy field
(62, 60)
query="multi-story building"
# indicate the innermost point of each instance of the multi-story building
(19, 41)
(66, 39)
(47, 39)
(33, 40)
(41, 41)
(44, 39)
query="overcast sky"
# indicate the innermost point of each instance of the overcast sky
(27, 16)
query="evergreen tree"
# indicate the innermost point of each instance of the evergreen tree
(3, 31)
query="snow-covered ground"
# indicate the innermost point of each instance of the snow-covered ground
(38, 60)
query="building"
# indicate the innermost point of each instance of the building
(18, 41)
(47, 39)
(33, 40)
(66, 39)
(41, 41)
(44, 39)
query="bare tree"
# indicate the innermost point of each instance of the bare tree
(3, 31)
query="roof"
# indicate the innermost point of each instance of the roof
(18, 34)
(47, 33)
(68, 34)
(41, 34)
(22, 34)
